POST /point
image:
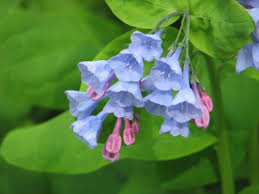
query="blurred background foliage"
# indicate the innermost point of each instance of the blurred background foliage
(41, 41)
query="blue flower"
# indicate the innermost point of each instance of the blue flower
(255, 55)
(120, 112)
(147, 85)
(244, 58)
(126, 94)
(95, 74)
(167, 74)
(157, 102)
(175, 128)
(127, 66)
(89, 128)
(254, 3)
(254, 13)
(184, 106)
(147, 46)
(80, 105)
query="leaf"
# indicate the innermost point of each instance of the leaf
(39, 52)
(55, 149)
(250, 190)
(216, 26)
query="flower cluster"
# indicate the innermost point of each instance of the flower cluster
(121, 79)
(249, 55)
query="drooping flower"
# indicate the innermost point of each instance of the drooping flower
(147, 85)
(203, 121)
(126, 94)
(135, 126)
(174, 128)
(254, 3)
(80, 105)
(184, 106)
(95, 74)
(206, 100)
(244, 58)
(127, 66)
(157, 102)
(128, 133)
(89, 128)
(112, 107)
(167, 73)
(147, 46)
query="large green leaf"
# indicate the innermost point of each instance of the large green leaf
(39, 52)
(216, 26)
(52, 147)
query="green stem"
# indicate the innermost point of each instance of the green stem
(165, 19)
(254, 156)
(222, 148)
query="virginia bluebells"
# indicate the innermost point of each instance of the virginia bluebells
(121, 79)
(248, 56)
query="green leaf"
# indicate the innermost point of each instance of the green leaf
(250, 190)
(39, 52)
(216, 26)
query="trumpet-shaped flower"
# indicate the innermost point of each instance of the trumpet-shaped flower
(126, 94)
(80, 105)
(95, 74)
(127, 66)
(89, 128)
(184, 106)
(112, 107)
(175, 128)
(147, 46)
(167, 73)
(157, 102)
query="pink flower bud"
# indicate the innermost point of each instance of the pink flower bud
(136, 127)
(110, 156)
(206, 100)
(203, 122)
(113, 144)
(129, 133)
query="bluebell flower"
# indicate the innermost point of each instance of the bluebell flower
(80, 105)
(254, 3)
(89, 128)
(95, 74)
(127, 66)
(126, 94)
(120, 112)
(147, 85)
(175, 128)
(255, 55)
(184, 106)
(244, 58)
(167, 73)
(157, 102)
(147, 46)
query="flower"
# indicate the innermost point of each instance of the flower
(147, 84)
(157, 102)
(175, 128)
(112, 107)
(127, 66)
(128, 133)
(126, 94)
(147, 46)
(254, 3)
(244, 58)
(95, 74)
(184, 106)
(205, 99)
(167, 73)
(89, 128)
(80, 105)
(248, 55)
(203, 121)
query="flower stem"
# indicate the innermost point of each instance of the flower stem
(165, 19)
(222, 148)
(254, 156)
